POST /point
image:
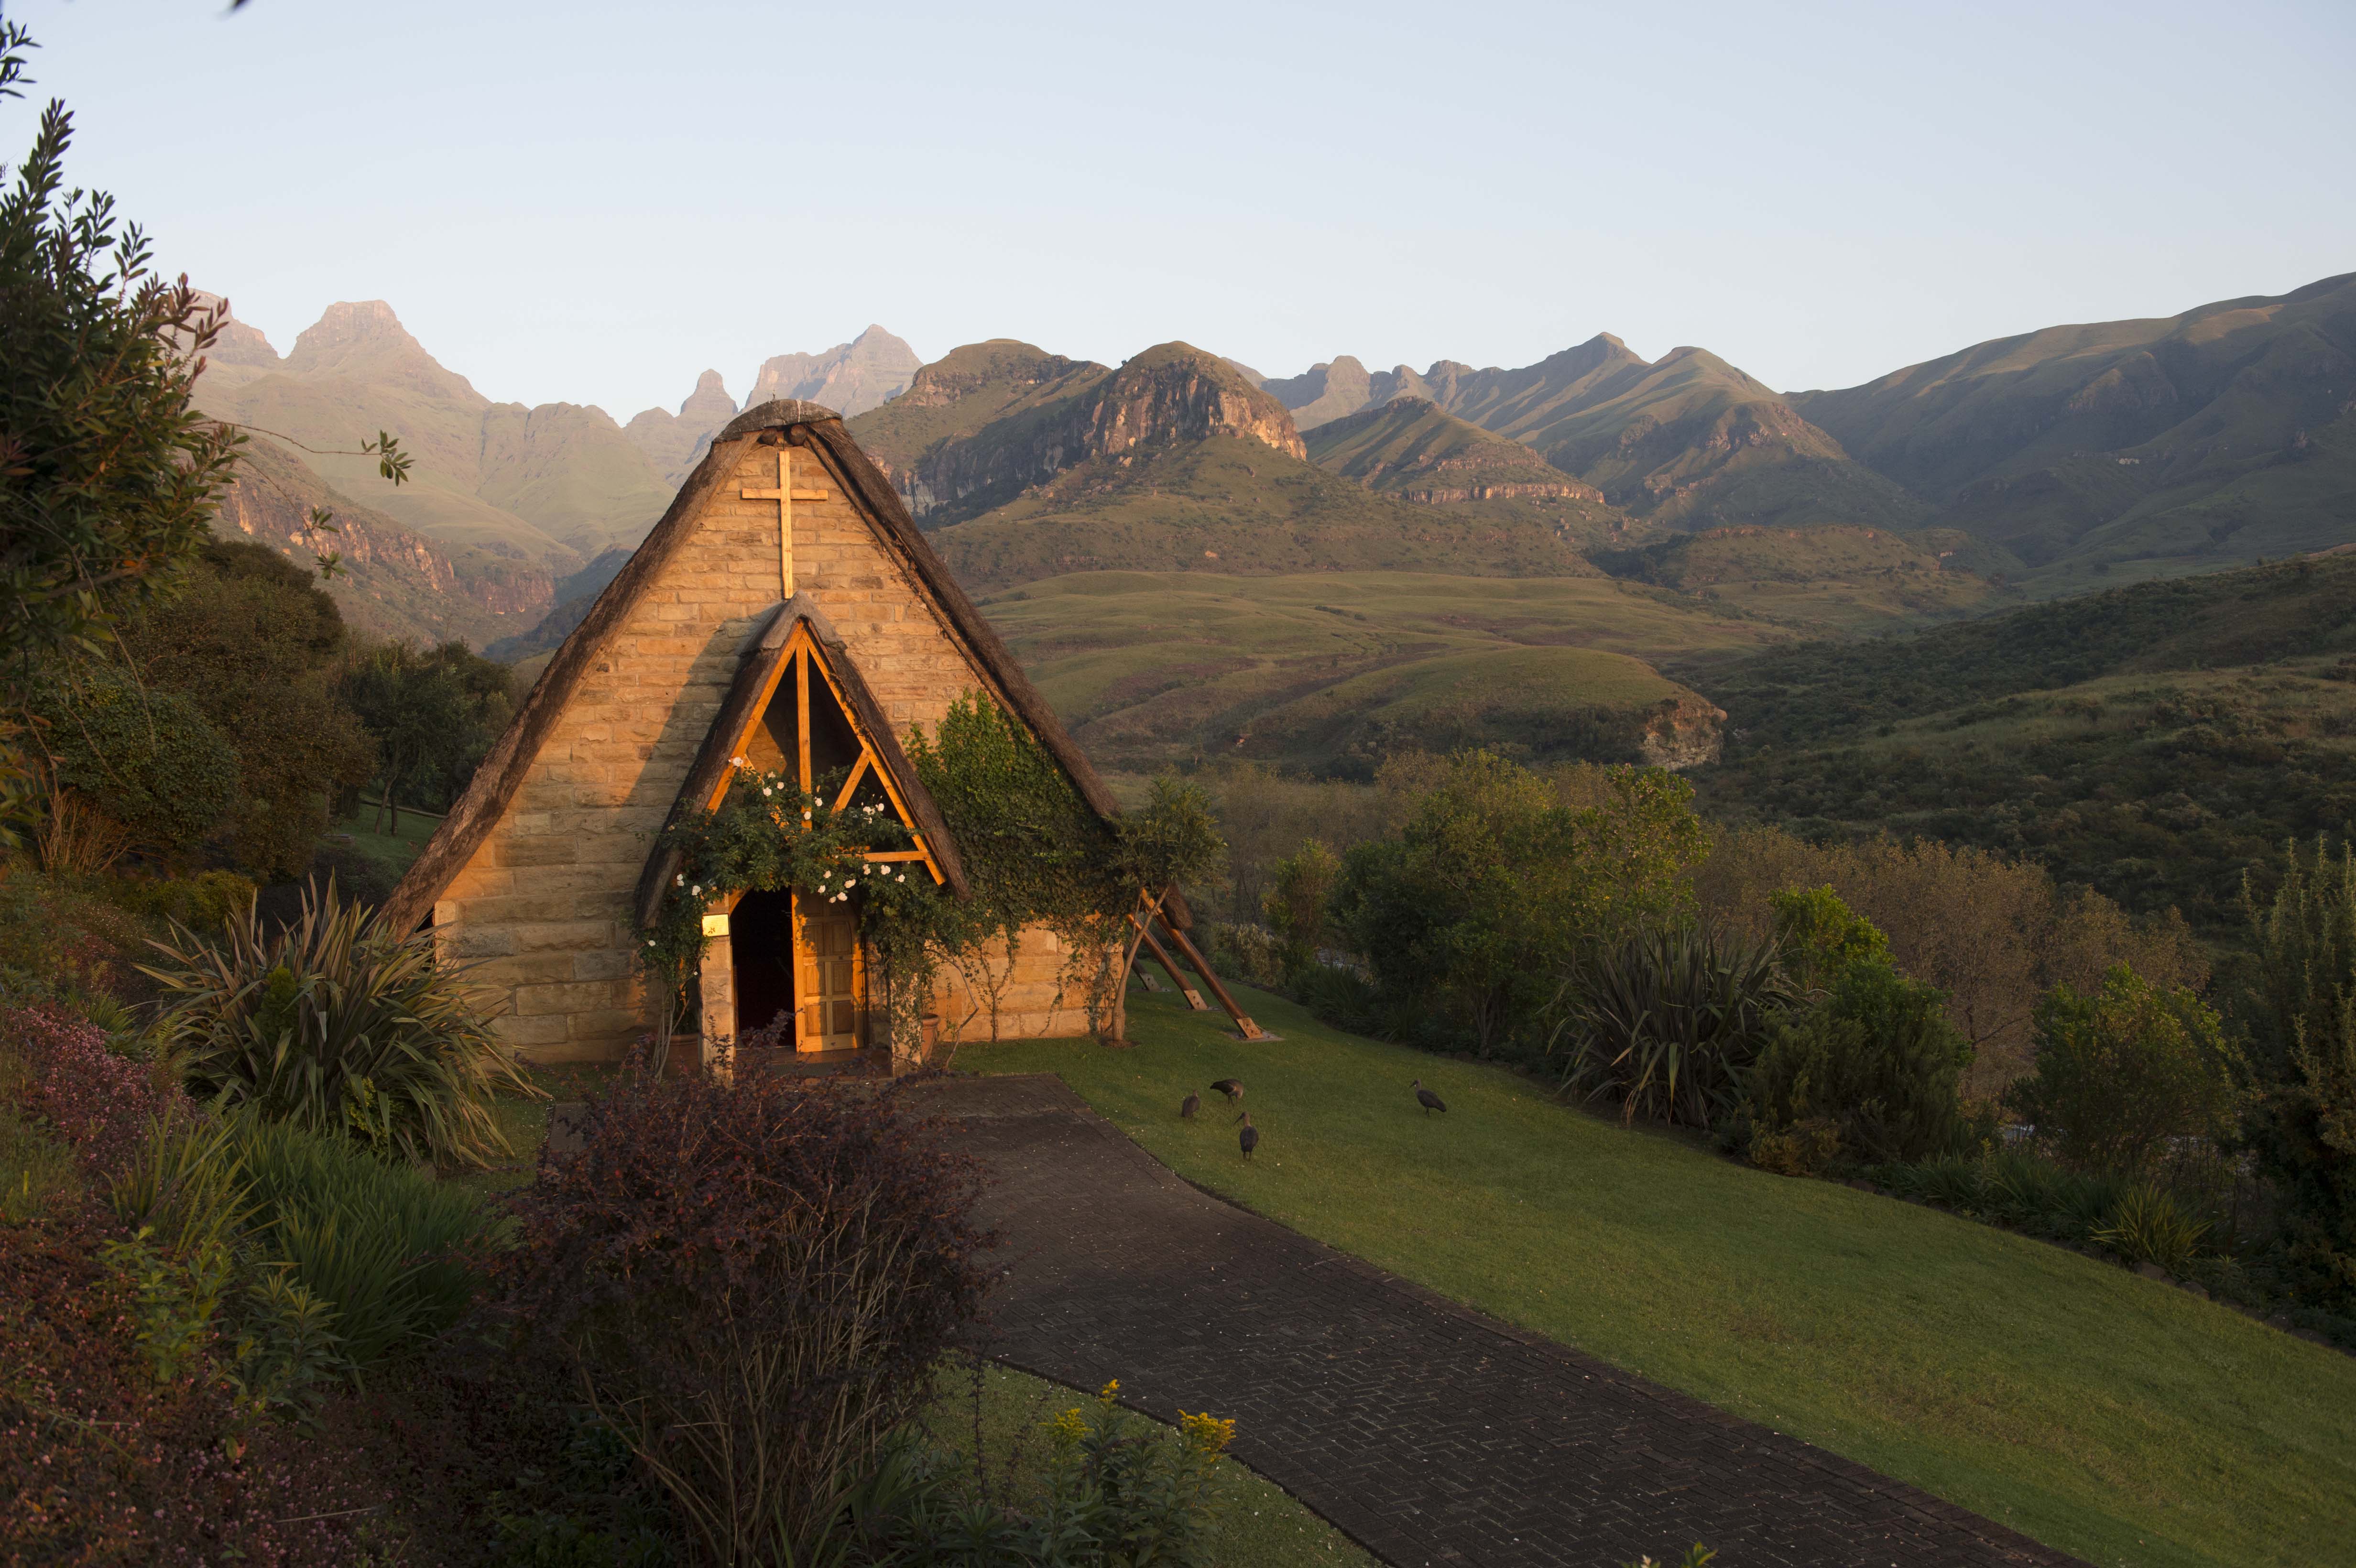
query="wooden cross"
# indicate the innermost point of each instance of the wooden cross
(784, 496)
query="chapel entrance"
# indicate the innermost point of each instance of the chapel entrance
(760, 930)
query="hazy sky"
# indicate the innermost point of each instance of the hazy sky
(594, 202)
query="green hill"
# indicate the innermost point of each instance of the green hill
(1410, 449)
(1835, 579)
(2152, 742)
(2153, 447)
(1329, 671)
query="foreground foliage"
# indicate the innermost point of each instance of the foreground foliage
(339, 1026)
(756, 1283)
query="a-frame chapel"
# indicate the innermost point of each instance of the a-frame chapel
(787, 611)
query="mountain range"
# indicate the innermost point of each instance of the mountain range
(2025, 468)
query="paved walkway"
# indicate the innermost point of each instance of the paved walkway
(1430, 1432)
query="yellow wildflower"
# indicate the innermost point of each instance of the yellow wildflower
(1109, 1389)
(1069, 1427)
(1205, 1433)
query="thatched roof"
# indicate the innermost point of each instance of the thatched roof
(820, 431)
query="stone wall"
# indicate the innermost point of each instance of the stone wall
(544, 907)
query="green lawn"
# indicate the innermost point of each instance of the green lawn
(2101, 1413)
(1255, 1524)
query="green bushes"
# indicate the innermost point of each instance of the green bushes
(1300, 892)
(339, 1026)
(1117, 1493)
(1499, 878)
(147, 760)
(2121, 1073)
(1870, 1070)
(1665, 1023)
(313, 1254)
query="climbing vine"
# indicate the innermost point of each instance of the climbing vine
(1034, 852)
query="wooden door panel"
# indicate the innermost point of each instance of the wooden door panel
(833, 975)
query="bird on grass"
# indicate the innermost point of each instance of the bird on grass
(1428, 1099)
(1233, 1088)
(1189, 1105)
(1249, 1138)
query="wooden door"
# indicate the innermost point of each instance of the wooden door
(832, 975)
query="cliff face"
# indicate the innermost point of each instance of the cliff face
(674, 443)
(1413, 449)
(392, 583)
(994, 420)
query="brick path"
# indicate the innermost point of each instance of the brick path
(1428, 1432)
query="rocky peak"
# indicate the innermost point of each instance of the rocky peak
(1330, 391)
(850, 377)
(709, 406)
(1174, 392)
(366, 340)
(1000, 362)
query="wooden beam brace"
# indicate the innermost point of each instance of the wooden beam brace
(1243, 1024)
(1137, 966)
(1177, 976)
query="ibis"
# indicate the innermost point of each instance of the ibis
(1249, 1138)
(1233, 1088)
(1428, 1099)
(1189, 1105)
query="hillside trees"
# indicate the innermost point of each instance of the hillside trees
(1501, 873)
(431, 712)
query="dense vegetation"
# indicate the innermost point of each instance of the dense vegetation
(2153, 743)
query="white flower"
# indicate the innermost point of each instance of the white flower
(735, 761)
(697, 888)
(679, 881)
(851, 881)
(768, 792)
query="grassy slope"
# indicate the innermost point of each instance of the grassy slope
(2096, 1411)
(1152, 666)
(1836, 579)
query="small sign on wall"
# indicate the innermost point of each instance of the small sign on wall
(715, 926)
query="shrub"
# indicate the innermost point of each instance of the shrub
(2299, 1010)
(1246, 953)
(1875, 1058)
(201, 902)
(1494, 883)
(339, 1026)
(396, 1254)
(757, 1281)
(1117, 1492)
(2122, 1072)
(2146, 1226)
(1665, 1022)
(1818, 936)
(1301, 889)
(147, 759)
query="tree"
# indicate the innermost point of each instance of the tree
(148, 762)
(432, 714)
(2123, 1070)
(1495, 883)
(1301, 886)
(2298, 1008)
(108, 474)
(246, 636)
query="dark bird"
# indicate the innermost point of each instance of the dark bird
(1233, 1088)
(1249, 1137)
(1428, 1099)
(1189, 1105)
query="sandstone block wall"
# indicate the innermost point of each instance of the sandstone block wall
(542, 908)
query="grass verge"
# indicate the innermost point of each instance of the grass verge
(2100, 1412)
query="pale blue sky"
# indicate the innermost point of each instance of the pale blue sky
(594, 202)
